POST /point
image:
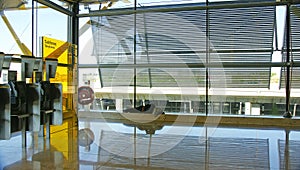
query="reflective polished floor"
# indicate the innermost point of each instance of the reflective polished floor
(100, 145)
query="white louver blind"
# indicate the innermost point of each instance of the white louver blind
(177, 40)
(241, 35)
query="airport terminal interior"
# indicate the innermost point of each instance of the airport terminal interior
(150, 84)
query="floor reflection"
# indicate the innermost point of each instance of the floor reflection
(102, 145)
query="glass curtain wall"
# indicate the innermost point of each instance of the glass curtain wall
(188, 58)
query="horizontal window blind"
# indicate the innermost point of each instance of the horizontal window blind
(235, 35)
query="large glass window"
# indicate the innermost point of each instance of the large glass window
(207, 58)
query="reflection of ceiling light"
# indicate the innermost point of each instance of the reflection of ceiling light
(6, 4)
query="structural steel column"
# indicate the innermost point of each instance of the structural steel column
(75, 24)
(207, 60)
(287, 113)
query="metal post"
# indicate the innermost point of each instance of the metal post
(287, 113)
(75, 24)
(147, 50)
(75, 41)
(134, 57)
(134, 145)
(149, 150)
(23, 120)
(207, 59)
(34, 143)
(287, 150)
(32, 27)
(48, 125)
(206, 163)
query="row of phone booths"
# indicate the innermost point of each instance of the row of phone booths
(28, 100)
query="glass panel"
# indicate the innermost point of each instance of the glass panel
(295, 57)
(295, 49)
(171, 37)
(52, 34)
(109, 43)
(171, 55)
(16, 26)
(237, 40)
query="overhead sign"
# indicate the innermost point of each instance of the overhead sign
(57, 49)
(53, 48)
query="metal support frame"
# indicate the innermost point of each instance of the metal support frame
(193, 65)
(207, 56)
(74, 24)
(55, 7)
(168, 8)
(147, 50)
(287, 113)
(23, 119)
(134, 57)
